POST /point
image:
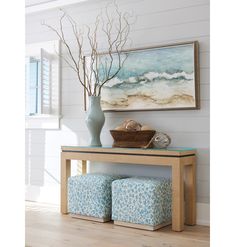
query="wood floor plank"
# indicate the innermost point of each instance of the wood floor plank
(45, 226)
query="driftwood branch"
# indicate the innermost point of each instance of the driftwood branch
(114, 29)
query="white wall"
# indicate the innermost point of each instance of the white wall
(158, 22)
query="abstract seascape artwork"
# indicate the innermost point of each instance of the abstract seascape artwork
(156, 78)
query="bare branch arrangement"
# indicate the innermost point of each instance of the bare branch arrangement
(100, 67)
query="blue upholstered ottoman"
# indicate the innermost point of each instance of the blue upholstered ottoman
(143, 203)
(90, 196)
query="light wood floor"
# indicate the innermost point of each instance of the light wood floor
(45, 226)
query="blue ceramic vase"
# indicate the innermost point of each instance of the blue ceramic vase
(95, 120)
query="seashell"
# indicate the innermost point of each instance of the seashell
(132, 125)
(125, 122)
(161, 140)
(120, 127)
(146, 127)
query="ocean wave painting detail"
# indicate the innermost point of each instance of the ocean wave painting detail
(157, 78)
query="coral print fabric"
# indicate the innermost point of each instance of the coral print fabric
(91, 194)
(142, 200)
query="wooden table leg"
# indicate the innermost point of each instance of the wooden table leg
(65, 173)
(84, 166)
(177, 196)
(190, 193)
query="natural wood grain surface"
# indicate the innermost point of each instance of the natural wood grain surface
(65, 174)
(177, 196)
(84, 166)
(152, 151)
(45, 226)
(119, 158)
(190, 193)
(140, 156)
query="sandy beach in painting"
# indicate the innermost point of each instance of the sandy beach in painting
(162, 91)
(153, 79)
(137, 102)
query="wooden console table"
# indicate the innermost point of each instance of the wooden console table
(181, 160)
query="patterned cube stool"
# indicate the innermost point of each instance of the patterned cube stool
(90, 196)
(143, 203)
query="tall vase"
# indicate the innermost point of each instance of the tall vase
(95, 120)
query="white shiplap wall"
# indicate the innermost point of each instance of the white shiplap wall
(158, 22)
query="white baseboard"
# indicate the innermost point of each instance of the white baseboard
(203, 214)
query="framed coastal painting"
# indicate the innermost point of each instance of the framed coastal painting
(155, 78)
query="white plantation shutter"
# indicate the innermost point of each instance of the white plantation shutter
(42, 85)
(46, 93)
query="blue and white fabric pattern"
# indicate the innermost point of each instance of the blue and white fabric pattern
(91, 194)
(142, 200)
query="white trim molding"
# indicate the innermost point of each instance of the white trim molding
(42, 6)
(42, 122)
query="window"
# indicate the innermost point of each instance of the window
(42, 85)
(33, 86)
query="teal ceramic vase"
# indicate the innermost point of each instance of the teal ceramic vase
(95, 120)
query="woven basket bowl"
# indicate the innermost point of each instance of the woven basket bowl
(132, 139)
